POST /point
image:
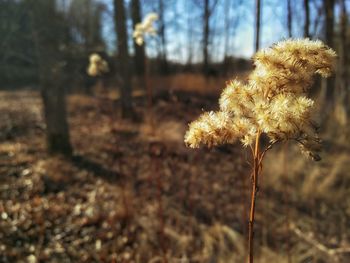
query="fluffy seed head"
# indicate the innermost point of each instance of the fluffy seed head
(146, 27)
(273, 101)
(98, 66)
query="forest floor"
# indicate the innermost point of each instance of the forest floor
(132, 191)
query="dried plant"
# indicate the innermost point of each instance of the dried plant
(272, 103)
(141, 30)
(146, 27)
(98, 66)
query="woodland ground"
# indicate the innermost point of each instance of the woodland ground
(130, 194)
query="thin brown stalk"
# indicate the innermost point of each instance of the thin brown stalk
(149, 92)
(258, 157)
(161, 216)
(156, 151)
(125, 202)
(244, 210)
(286, 201)
(147, 86)
(255, 188)
(125, 198)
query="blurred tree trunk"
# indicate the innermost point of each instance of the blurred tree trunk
(307, 18)
(123, 59)
(55, 112)
(86, 19)
(206, 37)
(257, 24)
(139, 59)
(289, 17)
(87, 29)
(329, 34)
(232, 19)
(227, 27)
(47, 33)
(163, 55)
(208, 10)
(227, 60)
(343, 45)
(343, 66)
(189, 35)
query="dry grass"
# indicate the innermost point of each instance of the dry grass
(190, 83)
(313, 202)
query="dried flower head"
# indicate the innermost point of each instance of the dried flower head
(97, 66)
(146, 27)
(273, 101)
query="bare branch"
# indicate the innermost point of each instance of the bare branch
(318, 245)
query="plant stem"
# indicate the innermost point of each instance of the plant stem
(255, 188)
(149, 93)
(147, 85)
(161, 216)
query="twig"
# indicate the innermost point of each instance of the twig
(265, 151)
(318, 245)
